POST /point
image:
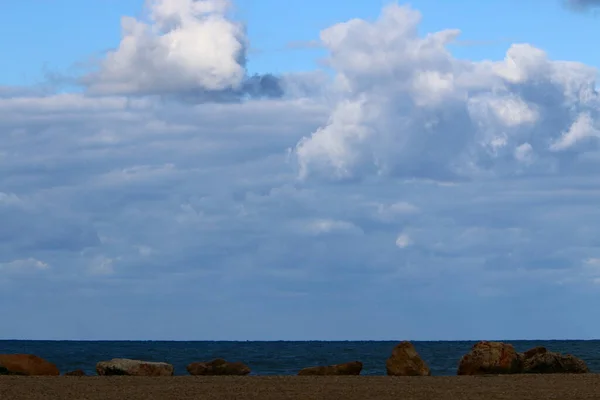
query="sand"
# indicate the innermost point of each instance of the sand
(516, 387)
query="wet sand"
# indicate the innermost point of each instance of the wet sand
(516, 387)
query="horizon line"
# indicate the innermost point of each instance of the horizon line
(292, 340)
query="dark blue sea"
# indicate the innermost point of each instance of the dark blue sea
(273, 358)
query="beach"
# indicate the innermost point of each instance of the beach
(506, 387)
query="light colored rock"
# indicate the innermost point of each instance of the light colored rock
(124, 366)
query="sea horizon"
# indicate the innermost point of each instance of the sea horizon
(298, 340)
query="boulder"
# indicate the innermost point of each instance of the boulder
(534, 351)
(540, 361)
(124, 366)
(349, 368)
(491, 358)
(218, 367)
(405, 361)
(78, 372)
(26, 364)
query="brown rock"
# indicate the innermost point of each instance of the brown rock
(405, 361)
(218, 367)
(78, 372)
(124, 366)
(349, 368)
(26, 364)
(534, 351)
(552, 363)
(490, 358)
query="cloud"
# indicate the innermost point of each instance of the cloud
(403, 241)
(187, 45)
(19, 266)
(582, 4)
(408, 108)
(327, 226)
(188, 48)
(408, 177)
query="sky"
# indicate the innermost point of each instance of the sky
(257, 170)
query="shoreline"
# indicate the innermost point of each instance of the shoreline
(488, 387)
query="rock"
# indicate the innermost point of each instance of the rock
(491, 358)
(405, 361)
(218, 367)
(534, 351)
(545, 362)
(78, 372)
(26, 364)
(124, 366)
(349, 368)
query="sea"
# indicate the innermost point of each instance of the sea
(275, 358)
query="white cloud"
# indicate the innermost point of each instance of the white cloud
(409, 108)
(23, 266)
(403, 241)
(524, 153)
(582, 127)
(326, 226)
(102, 266)
(388, 212)
(188, 45)
(9, 199)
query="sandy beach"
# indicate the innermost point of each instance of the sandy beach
(516, 387)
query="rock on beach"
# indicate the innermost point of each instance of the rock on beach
(218, 366)
(501, 358)
(124, 366)
(349, 368)
(405, 361)
(26, 364)
(541, 361)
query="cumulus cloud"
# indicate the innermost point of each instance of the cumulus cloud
(190, 48)
(408, 108)
(188, 44)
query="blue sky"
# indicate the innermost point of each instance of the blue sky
(65, 33)
(215, 170)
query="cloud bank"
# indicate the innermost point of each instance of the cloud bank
(423, 195)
